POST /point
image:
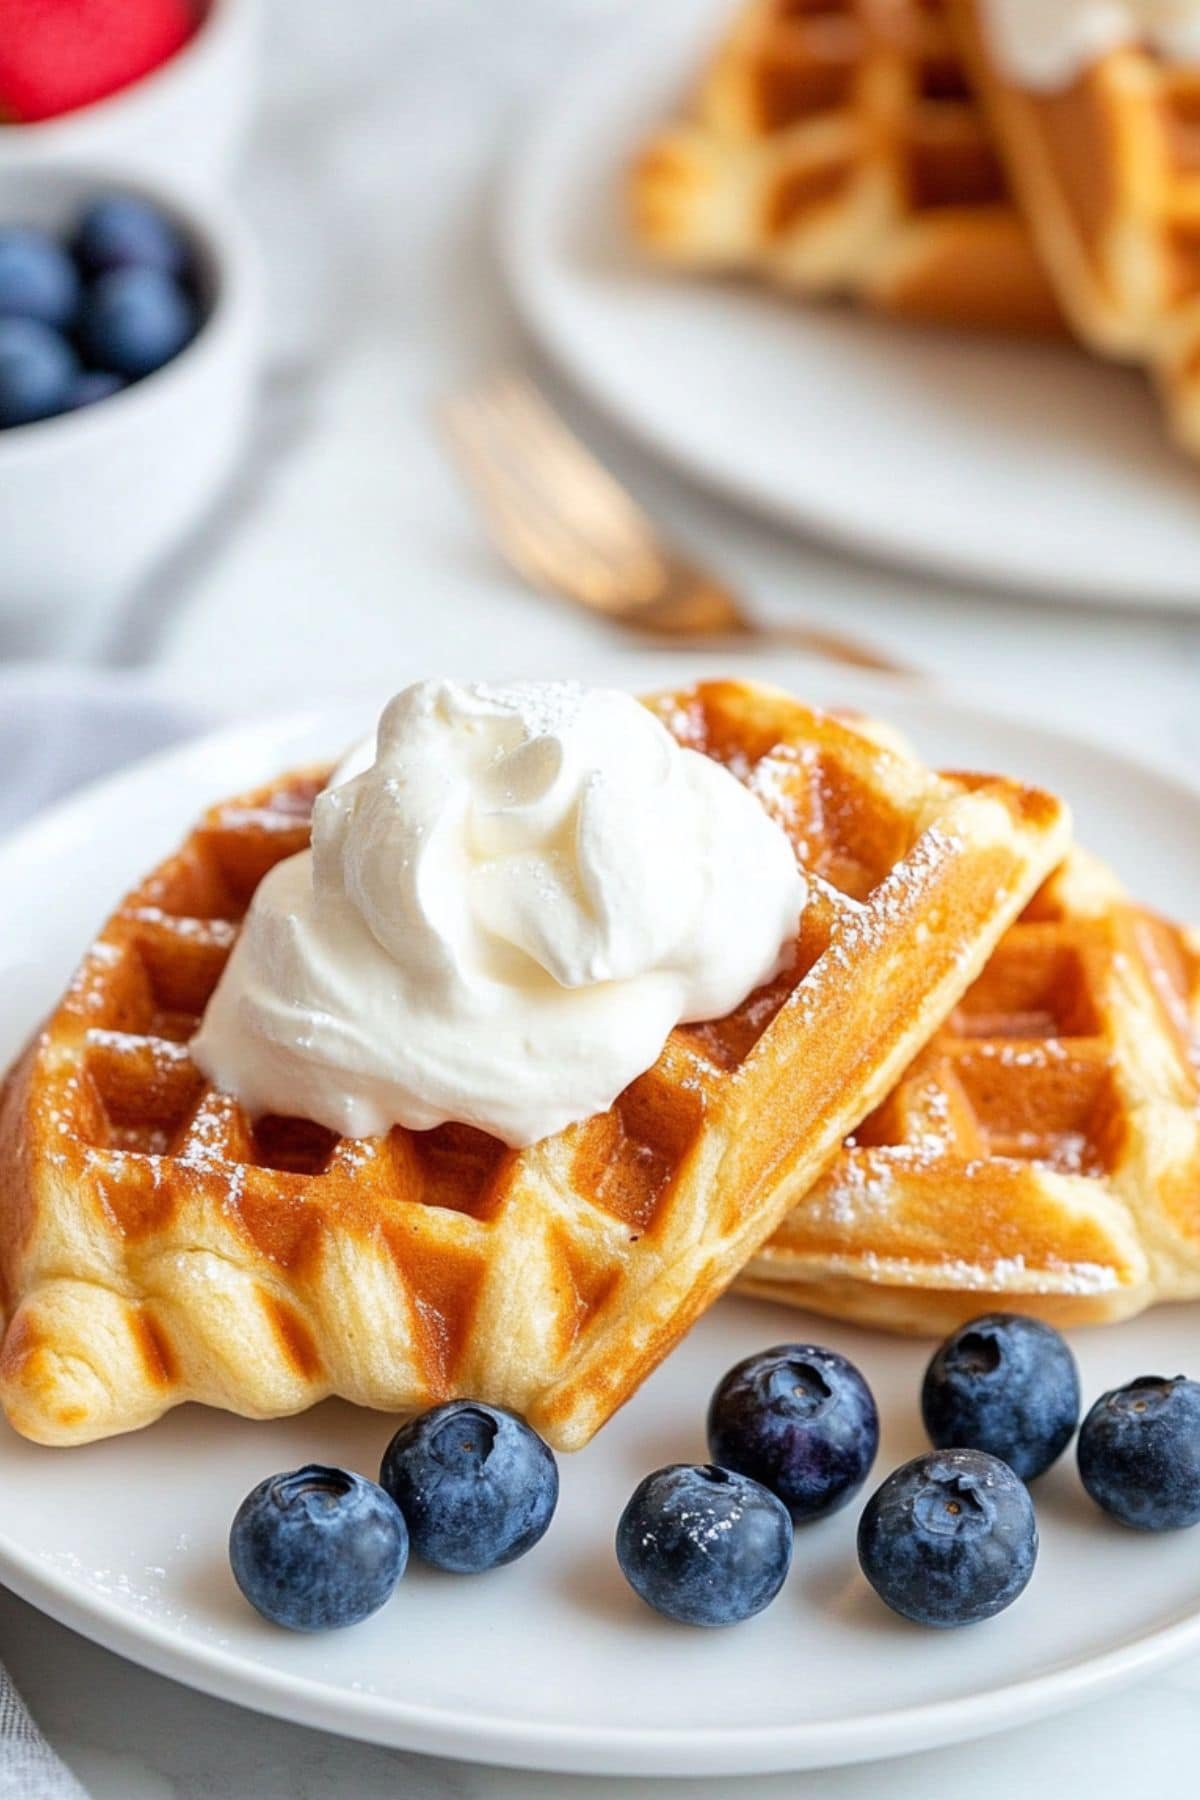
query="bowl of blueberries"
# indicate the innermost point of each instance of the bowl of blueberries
(129, 326)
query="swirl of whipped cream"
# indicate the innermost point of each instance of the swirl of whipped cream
(502, 917)
(1045, 44)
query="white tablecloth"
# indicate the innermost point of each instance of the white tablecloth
(347, 559)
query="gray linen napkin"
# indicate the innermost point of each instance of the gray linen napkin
(59, 728)
(29, 1769)
(62, 727)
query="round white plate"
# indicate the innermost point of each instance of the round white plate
(1028, 466)
(553, 1663)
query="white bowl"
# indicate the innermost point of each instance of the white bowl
(182, 124)
(89, 501)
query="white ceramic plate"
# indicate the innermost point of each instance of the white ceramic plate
(552, 1662)
(1022, 465)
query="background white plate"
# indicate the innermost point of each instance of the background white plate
(553, 1663)
(1029, 466)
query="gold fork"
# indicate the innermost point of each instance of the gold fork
(569, 528)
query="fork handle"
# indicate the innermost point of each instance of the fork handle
(830, 646)
(834, 647)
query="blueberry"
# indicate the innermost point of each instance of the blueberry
(950, 1538)
(1139, 1453)
(1004, 1384)
(802, 1421)
(134, 320)
(119, 231)
(92, 385)
(477, 1486)
(317, 1548)
(37, 371)
(38, 280)
(703, 1545)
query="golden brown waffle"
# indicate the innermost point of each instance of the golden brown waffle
(158, 1247)
(1043, 1153)
(834, 146)
(1108, 172)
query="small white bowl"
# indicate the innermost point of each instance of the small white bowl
(90, 500)
(183, 123)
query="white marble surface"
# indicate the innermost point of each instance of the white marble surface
(347, 558)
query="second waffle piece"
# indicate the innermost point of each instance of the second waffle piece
(1042, 1153)
(1108, 173)
(837, 149)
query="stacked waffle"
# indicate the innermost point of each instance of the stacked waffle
(158, 1245)
(976, 1078)
(1042, 1153)
(883, 150)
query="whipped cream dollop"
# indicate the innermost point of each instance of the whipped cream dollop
(1045, 44)
(511, 899)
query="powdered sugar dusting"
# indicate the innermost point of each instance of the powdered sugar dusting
(220, 932)
(773, 779)
(1017, 1055)
(865, 927)
(165, 1051)
(1005, 1274)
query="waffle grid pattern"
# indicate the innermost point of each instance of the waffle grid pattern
(1109, 173)
(158, 1246)
(1044, 1150)
(836, 146)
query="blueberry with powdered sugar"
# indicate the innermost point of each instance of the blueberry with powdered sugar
(703, 1545)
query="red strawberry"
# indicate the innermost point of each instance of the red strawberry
(56, 55)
